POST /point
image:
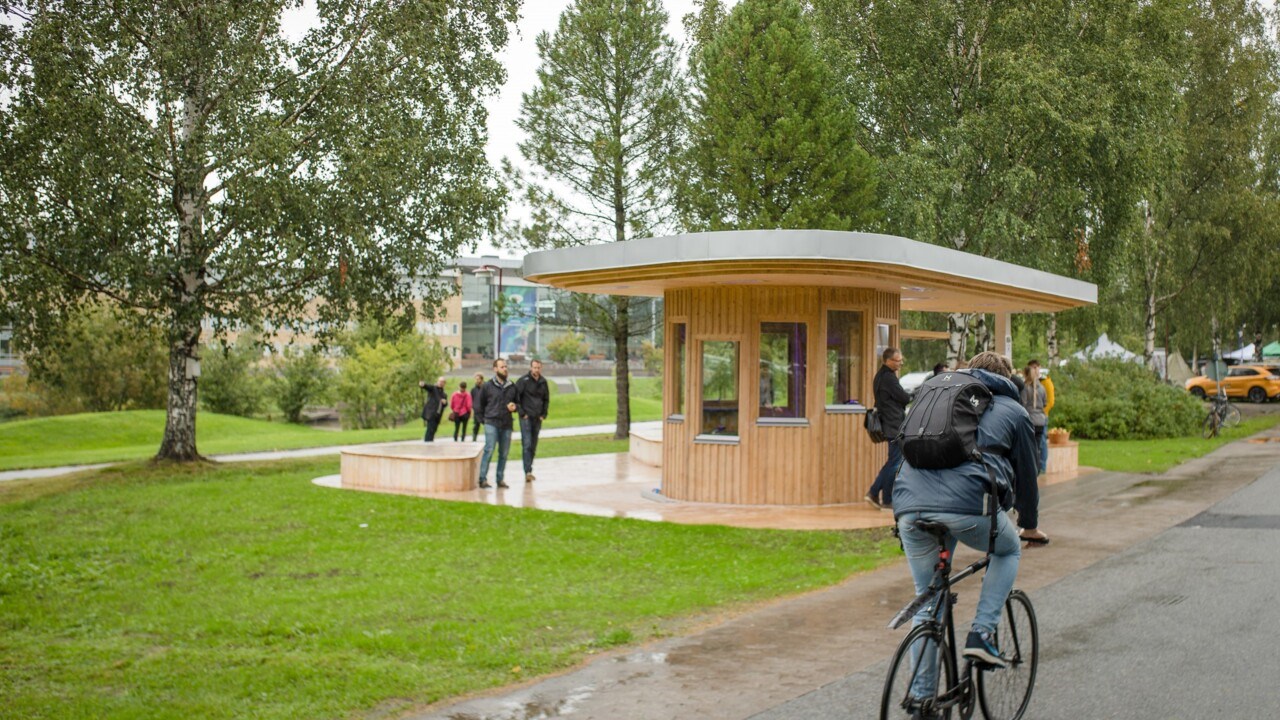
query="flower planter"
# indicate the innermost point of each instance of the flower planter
(1058, 436)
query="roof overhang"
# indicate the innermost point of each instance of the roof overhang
(928, 277)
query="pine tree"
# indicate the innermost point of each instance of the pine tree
(770, 145)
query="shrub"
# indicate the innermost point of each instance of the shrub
(569, 347)
(19, 398)
(232, 381)
(378, 378)
(653, 357)
(102, 359)
(303, 377)
(1117, 400)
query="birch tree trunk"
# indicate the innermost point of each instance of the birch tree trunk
(1051, 340)
(957, 336)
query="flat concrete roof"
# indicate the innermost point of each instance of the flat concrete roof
(928, 277)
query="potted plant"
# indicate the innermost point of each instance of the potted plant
(1059, 436)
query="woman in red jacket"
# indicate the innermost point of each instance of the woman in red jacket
(460, 404)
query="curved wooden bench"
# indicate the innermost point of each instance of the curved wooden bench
(646, 447)
(413, 468)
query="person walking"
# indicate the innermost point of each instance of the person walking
(433, 407)
(1032, 395)
(533, 399)
(497, 401)
(891, 404)
(958, 497)
(475, 407)
(460, 404)
(1050, 396)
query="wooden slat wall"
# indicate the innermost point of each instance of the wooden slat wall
(830, 461)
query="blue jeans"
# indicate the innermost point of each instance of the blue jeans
(529, 429)
(1042, 434)
(997, 583)
(495, 437)
(882, 488)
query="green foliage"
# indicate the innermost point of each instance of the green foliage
(1117, 400)
(568, 348)
(18, 398)
(771, 146)
(196, 163)
(233, 380)
(100, 359)
(653, 357)
(378, 381)
(303, 377)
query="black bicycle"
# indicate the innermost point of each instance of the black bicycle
(1222, 414)
(925, 680)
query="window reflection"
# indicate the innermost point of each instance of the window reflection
(844, 357)
(720, 388)
(679, 332)
(783, 360)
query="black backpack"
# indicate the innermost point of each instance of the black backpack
(941, 428)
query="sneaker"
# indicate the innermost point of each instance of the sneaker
(528, 477)
(484, 485)
(982, 647)
(503, 485)
(874, 503)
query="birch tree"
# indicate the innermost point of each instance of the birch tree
(193, 162)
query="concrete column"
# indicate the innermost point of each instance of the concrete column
(1004, 335)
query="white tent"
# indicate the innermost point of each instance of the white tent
(1179, 371)
(1244, 354)
(1104, 348)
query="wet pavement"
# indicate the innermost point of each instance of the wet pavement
(616, 485)
(770, 661)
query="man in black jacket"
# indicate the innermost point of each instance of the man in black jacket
(497, 402)
(433, 407)
(891, 403)
(533, 399)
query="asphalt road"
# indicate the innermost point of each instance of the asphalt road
(1185, 625)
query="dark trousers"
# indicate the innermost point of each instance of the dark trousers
(882, 488)
(475, 430)
(529, 429)
(460, 427)
(433, 424)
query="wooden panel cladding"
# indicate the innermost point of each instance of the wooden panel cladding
(829, 460)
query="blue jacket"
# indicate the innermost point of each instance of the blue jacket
(1009, 447)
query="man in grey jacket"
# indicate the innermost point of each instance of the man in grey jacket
(958, 498)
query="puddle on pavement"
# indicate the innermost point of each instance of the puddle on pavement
(535, 709)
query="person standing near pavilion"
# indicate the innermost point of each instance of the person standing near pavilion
(1049, 396)
(476, 420)
(496, 403)
(433, 407)
(891, 404)
(533, 399)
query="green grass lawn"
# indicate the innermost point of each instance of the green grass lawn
(246, 591)
(1157, 456)
(109, 437)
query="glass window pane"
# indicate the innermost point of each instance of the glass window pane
(844, 357)
(882, 340)
(679, 332)
(783, 360)
(720, 388)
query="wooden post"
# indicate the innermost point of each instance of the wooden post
(1004, 335)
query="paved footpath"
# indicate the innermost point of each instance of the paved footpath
(317, 451)
(1103, 588)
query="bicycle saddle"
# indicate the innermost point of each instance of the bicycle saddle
(935, 529)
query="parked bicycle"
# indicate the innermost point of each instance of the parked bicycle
(1222, 414)
(925, 680)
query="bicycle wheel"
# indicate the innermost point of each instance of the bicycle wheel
(1230, 416)
(1004, 693)
(921, 659)
(1210, 425)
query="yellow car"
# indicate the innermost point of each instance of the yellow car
(1259, 383)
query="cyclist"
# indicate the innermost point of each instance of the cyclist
(957, 497)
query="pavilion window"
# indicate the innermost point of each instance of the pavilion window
(783, 367)
(720, 388)
(883, 340)
(844, 358)
(679, 334)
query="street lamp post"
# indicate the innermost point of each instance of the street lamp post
(487, 271)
